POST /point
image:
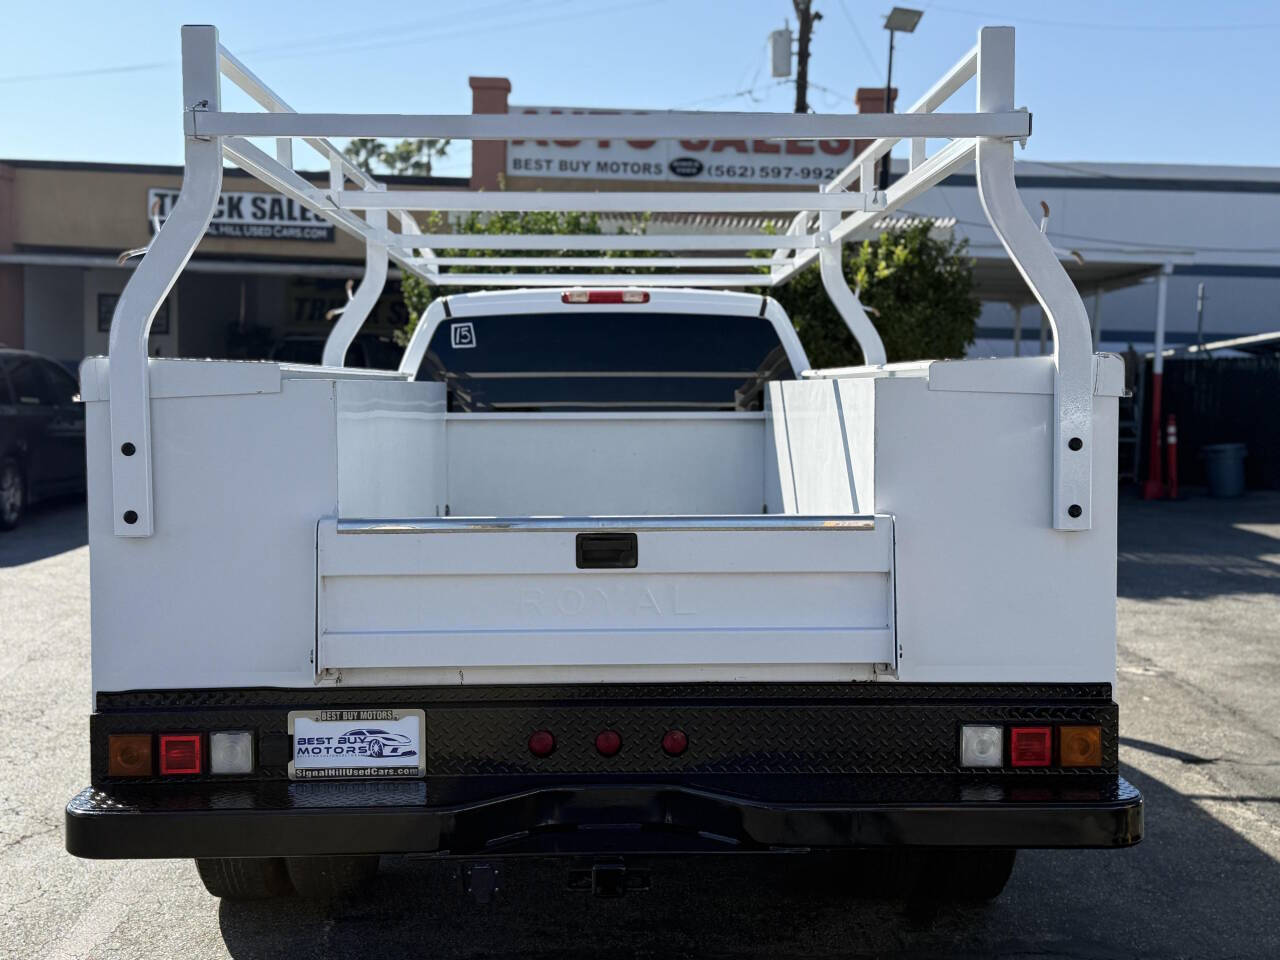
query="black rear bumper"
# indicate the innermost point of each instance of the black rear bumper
(767, 766)
(466, 817)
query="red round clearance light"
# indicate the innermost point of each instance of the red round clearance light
(674, 743)
(608, 742)
(542, 743)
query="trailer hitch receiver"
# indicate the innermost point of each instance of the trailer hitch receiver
(611, 878)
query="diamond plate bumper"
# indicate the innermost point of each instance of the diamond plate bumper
(482, 815)
(769, 766)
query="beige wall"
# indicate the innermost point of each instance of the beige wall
(99, 211)
(11, 275)
(106, 211)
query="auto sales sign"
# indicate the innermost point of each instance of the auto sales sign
(706, 161)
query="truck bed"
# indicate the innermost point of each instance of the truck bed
(328, 526)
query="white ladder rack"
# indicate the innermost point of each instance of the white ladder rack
(824, 219)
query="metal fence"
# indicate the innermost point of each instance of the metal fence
(1226, 400)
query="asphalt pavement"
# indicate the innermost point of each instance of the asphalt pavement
(1199, 690)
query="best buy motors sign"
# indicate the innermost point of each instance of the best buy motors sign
(708, 161)
(251, 215)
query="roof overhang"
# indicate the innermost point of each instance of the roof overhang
(996, 278)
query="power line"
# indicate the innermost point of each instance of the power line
(853, 24)
(465, 30)
(846, 97)
(90, 72)
(400, 29)
(1142, 27)
(749, 92)
(337, 43)
(757, 59)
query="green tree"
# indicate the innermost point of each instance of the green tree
(917, 288)
(408, 157)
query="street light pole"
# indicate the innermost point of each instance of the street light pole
(904, 19)
(888, 108)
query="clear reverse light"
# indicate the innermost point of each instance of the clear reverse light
(981, 746)
(231, 751)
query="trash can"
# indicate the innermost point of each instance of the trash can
(1224, 464)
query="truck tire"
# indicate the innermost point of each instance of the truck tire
(972, 876)
(243, 878)
(13, 493)
(325, 878)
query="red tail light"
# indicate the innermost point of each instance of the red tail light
(179, 753)
(542, 743)
(1030, 746)
(605, 296)
(674, 742)
(608, 742)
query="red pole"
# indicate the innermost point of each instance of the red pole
(1154, 487)
(1171, 451)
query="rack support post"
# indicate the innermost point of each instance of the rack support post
(131, 482)
(830, 260)
(364, 299)
(1033, 255)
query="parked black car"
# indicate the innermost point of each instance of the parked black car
(41, 433)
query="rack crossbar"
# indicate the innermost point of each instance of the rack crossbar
(1014, 124)
(270, 171)
(601, 242)
(601, 202)
(601, 280)
(937, 168)
(276, 175)
(235, 70)
(610, 262)
(935, 96)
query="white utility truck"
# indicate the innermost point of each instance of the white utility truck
(604, 568)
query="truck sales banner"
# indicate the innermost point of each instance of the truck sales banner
(705, 161)
(251, 215)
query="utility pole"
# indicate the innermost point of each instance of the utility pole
(807, 17)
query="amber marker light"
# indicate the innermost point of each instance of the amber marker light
(1080, 746)
(129, 755)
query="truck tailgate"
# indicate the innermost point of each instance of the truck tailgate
(474, 592)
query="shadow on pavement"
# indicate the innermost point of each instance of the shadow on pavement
(1194, 888)
(50, 528)
(1198, 547)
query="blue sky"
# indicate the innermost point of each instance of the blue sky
(1173, 81)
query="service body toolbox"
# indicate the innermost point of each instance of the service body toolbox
(604, 569)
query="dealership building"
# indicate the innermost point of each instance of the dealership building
(268, 272)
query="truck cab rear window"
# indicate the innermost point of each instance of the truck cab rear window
(594, 360)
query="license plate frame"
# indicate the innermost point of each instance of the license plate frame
(357, 743)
